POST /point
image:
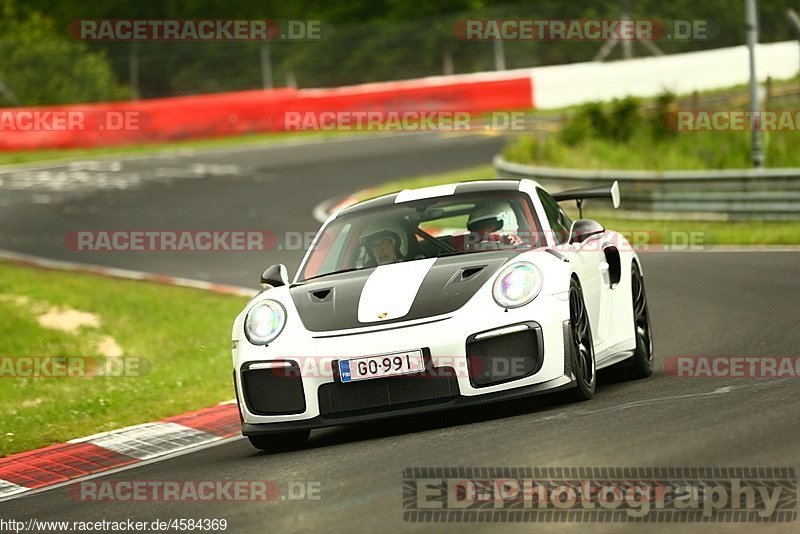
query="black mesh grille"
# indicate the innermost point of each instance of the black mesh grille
(274, 391)
(363, 396)
(506, 357)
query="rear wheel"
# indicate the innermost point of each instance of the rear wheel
(280, 442)
(583, 363)
(642, 361)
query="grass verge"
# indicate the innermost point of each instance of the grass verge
(624, 134)
(659, 230)
(685, 151)
(180, 338)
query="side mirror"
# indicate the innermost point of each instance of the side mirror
(583, 229)
(275, 276)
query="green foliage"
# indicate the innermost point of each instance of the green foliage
(622, 135)
(586, 120)
(664, 104)
(597, 119)
(39, 66)
(623, 118)
(616, 123)
(376, 40)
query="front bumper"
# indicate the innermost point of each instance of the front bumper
(444, 343)
(557, 384)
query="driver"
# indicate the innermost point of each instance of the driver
(383, 245)
(492, 226)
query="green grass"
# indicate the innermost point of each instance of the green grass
(182, 335)
(578, 145)
(685, 151)
(659, 230)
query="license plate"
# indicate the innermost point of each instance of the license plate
(400, 363)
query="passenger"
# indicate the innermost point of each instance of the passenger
(492, 226)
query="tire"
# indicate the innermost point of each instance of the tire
(642, 362)
(280, 442)
(583, 357)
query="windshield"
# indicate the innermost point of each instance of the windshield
(467, 223)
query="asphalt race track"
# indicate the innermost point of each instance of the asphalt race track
(268, 188)
(702, 304)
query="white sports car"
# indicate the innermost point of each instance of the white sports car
(437, 298)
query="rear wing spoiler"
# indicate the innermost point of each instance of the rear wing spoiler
(579, 195)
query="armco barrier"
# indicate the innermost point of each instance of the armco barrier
(259, 111)
(732, 194)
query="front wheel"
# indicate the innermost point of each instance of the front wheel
(280, 442)
(583, 362)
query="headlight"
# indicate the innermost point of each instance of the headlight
(264, 322)
(517, 285)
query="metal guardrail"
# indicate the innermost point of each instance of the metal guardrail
(734, 194)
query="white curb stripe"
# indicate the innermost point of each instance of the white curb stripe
(7, 489)
(150, 440)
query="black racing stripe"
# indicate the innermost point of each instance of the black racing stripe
(449, 284)
(487, 185)
(337, 311)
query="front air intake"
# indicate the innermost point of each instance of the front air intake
(273, 388)
(504, 354)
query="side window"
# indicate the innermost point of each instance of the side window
(558, 220)
(335, 258)
(566, 222)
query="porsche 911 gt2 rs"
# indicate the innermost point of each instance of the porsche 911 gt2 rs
(437, 298)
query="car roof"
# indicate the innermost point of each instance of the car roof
(432, 192)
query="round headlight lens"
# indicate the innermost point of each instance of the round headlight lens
(264, 322)
(517, 285)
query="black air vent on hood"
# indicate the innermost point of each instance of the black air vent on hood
(469, 272)
(321, 295)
